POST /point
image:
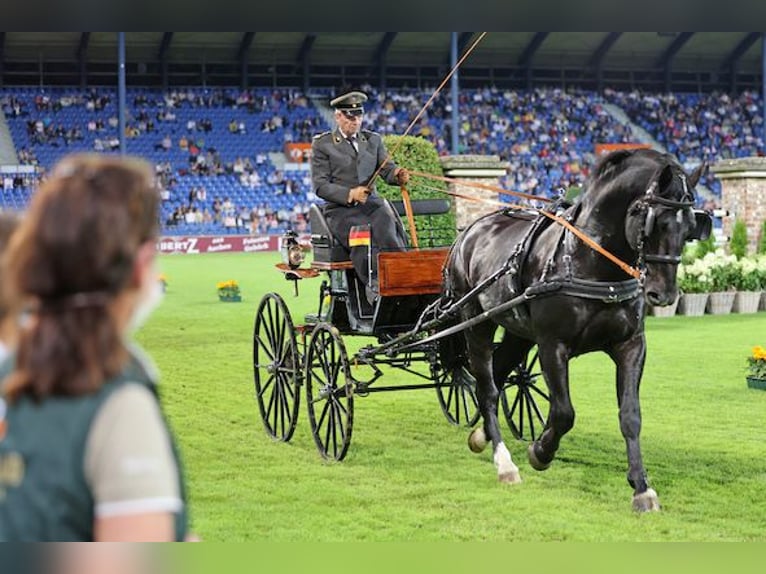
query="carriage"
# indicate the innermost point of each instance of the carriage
(288, 355)
(556, 292)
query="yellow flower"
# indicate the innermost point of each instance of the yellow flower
(229, 287)
(757, 362)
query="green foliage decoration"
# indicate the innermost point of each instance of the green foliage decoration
(704, 247)
(738, 243)
(761, 248)
(418, 154)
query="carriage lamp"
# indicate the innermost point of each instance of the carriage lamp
(292, 253)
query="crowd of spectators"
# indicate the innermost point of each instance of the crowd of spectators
(698, 127)
(547, 137)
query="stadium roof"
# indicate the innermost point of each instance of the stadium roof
(681, 59)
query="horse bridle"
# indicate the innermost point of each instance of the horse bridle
(647, 205)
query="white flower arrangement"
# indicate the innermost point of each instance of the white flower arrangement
(717, 271)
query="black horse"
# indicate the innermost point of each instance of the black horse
(638, 205)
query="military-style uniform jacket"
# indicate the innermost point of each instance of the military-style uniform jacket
(336, 167)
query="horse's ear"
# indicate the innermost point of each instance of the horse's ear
(697, 174)
(611, 160)
(665, 178)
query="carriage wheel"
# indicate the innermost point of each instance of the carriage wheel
(277, 367)
(456, 389)
(329, 392)
(525, 400)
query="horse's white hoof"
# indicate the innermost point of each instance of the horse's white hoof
(533, 461)
(646, 501)
(477, 440)
(509, 477)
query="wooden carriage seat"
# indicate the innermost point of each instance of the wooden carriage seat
(413, 272)
(423, 206)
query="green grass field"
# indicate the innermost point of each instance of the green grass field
(410, 476)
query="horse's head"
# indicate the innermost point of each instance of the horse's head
(659, 222)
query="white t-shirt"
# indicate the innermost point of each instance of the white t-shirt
(129, 462)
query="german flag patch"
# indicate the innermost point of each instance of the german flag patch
(359, 235)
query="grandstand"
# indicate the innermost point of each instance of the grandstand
(219, 151)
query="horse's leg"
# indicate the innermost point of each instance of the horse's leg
(629, 358)
(479, 349)
(508, 355)
(554, 362)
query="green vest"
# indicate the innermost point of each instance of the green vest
(44, 495)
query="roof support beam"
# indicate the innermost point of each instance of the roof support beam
(244, 45)
(525, 60)
(2, 55)
(380, 57)
(462, 43)
(732, 60)
(162, 56)
(736, 54)
(529, 52)
(82, 58)
(304, 58)
(305, 50)
(244, 48)
(666, 60)
(603, 48)
(167, 37)
(597, 59)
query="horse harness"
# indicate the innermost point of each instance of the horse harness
(445, 308)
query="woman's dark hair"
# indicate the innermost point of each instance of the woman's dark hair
(8, 224)
(71, 256)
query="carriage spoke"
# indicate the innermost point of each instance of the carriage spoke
(266, 386)
(529, 401)
(271, 410)
(285, 404)
(325, 408)
(266, 348)
(515, 402)
(330, 423)
(539, 392)
(288, 387)
(539, 414)
(468, 394)
(335, 423)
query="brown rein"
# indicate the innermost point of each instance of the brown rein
(629, 269)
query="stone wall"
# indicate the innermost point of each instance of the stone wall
(743, 195)
(482, 169)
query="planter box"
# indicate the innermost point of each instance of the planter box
(756, 383)
(720, 302)
(746, 302)
(692, 304)
(668, 311)
(230, 298)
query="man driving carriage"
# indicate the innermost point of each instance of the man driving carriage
(344, 162)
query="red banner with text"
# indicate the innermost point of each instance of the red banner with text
(298, 152)
(223, 244)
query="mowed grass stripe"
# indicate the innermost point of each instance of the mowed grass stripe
(410, 476)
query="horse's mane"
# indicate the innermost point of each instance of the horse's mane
(610, 166)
